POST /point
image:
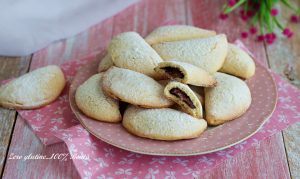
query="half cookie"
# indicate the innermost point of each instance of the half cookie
(162, 124)
(186, 73)
(238, 63)
(129, 50)
(34, 89)
(91, 100)
(171, 33)
(105, 63)
(134, 88)
(206, 53)
(184, 97)
(227, 101)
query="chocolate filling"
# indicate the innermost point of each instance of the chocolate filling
(182, 96)
(173, 72)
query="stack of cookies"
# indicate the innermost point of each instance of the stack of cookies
(174, 82)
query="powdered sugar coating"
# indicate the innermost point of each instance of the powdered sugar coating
(171, 33)
(92, 101)
(162, 124)
(238, 63)
(129, 50)
(33, 89)
(228, 100)
(206, 53)
(134, 88)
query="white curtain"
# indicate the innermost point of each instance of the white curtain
(29, 25)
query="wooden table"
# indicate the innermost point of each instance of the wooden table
(277, 157)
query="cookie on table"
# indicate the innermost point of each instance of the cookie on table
(171, 33)
(105, 63)
(134, 88)
(186, 73)
(185, 98)
(162, 124)
(34, 89)
(238, 63)
(206, 53)
(92, 101)
(129, 50)
(227, 101)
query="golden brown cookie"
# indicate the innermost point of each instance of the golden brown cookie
(186, 73)
(238, 63)
(129, 50)
(171, 33)
(184, 97)
(34, 89)
(162, 124)
(92, 101)
(206, 53)
(227, 101)
(134, 88)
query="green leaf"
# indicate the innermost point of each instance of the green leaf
(278, 23)
(254, 20)
(289, 5)
(238, 4)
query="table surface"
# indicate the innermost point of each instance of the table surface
(276, 157)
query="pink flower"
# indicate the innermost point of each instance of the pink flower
(250, 13)
(260, 38)
(223, 16)
(295, 19)
(290, 35)
(287, 32)
(244, 15)
(270, 38)
(231, 3)
(253, 30)
(244, 35)
(274, 12)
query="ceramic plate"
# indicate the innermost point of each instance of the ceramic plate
(264, 97)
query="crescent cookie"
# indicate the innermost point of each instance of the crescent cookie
(206, 53)
(171, 33)
(184, 97)
(228, 100)
(162, 124)
(238, 63)
(134, 88)
(105, 63)
(91, 100)
(34, 89)
(186, 73)
(129, 50)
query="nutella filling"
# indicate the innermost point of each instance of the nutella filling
(173, 72)
(182, 96)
